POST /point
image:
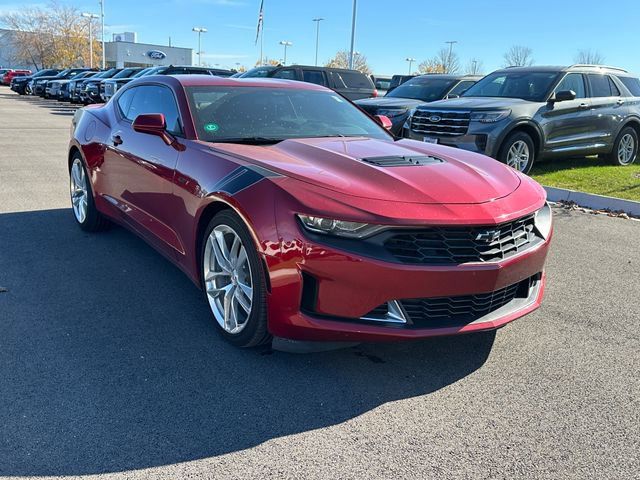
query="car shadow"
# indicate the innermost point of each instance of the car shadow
(109, 361)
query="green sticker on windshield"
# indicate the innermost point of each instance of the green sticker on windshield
(211, 127)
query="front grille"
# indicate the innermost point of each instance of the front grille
(455, 245)
(440, 122)
(461, 310)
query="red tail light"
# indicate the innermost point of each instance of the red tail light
(375, 93)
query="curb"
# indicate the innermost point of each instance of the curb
(593, 201)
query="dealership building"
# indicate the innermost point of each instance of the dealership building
(123, 51)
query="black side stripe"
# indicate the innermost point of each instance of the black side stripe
(241, 178)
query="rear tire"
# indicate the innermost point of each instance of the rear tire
(82, 203)
(233, 281)
(625, 148)
(518, 151)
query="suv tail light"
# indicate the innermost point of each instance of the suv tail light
(375, 93)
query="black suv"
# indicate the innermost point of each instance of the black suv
(19, 84)
(521, 113)
(397, 103)
(349, 83)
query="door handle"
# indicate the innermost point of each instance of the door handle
(620, 102)
(583, 106)
(116, 139)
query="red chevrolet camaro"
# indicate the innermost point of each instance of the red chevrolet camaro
(302, 219)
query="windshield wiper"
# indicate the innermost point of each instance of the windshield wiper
(250, 140)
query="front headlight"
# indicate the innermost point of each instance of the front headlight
(392, 112)
(544, 221)
(490, 116)
(340, 228)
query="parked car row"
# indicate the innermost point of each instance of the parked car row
(87, 85)
(8, 74)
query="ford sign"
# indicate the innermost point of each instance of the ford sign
(156, 54)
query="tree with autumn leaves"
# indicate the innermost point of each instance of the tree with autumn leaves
(54, 36)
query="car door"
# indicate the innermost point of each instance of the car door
(140, 167)
(568, 125)
(608, 107)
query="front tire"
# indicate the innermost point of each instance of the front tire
(518, 151)
(625, 148)
(233, 281)
(82, 203)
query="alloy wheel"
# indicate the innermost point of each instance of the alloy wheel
(228, 279)
(79, 191)
(626, 149)
(518, 155)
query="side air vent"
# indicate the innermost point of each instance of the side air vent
(399, 161)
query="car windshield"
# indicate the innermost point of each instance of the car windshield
(142, 72)
(269, 115)
(258, 72)
(124, 73)
(423, 88)
(106, 74)
(532, 86)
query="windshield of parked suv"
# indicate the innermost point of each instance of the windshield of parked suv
(125, 73)
(532, 86)
(423, 88)
(269, 115)
(258, 72)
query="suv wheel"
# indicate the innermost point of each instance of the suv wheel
(625, 148)
(518, 151)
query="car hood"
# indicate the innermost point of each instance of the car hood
(472, 103)
(389, 102)
(336, 164)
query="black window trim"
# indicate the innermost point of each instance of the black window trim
(122, 117)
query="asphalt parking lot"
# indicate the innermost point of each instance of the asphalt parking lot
(109, 362)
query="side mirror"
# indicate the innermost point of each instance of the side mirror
(564, 96)
(153, 124)
(383, 121)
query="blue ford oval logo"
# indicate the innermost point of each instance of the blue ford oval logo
(434, 118)
(156, 54)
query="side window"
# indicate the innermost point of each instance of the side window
(124, 102)
(602, 86)
(575, 82)
(156, 99)
(314, 76)
(286, 74)
(461, 88)
(632, 84)
(355, 80)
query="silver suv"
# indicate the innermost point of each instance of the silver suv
(519, 114)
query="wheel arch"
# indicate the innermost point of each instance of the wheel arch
(527, 127)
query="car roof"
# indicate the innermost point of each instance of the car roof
(564, 68)
(206, 80)
(448, 76)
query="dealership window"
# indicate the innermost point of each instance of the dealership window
(574, 82)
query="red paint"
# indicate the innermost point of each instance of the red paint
(161, 192)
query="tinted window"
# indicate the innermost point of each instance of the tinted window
(425, 88)
(314, 76)
(353, 80)
(124, 101)
(155, 99)
(258, 72)
(575, 82)
(382, 84)
(602, 86)
(632, 84)
(532, 86)
(235, 114)
(461, 87)
(288, 74)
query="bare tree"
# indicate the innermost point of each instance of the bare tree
(475, 67)
(590, 57)
(341, 60)
(53, 36)
(518, 56)
(443, 62)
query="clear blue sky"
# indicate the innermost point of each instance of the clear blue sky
(387, 31)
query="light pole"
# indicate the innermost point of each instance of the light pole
(410, 60)
(317, 20)
(90, 16)
(199, 31)
(451, 44)
(104, 63)
(353, 34)
(285, 44)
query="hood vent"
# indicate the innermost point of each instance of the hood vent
(402, 161)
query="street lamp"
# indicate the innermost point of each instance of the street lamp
(285, 44)
(451, 44)
(90, 16)
(199, 31)
(317, 20)
(353, 34)
(102, 33)
(410, 60)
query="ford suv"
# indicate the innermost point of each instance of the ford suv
(519, 114)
